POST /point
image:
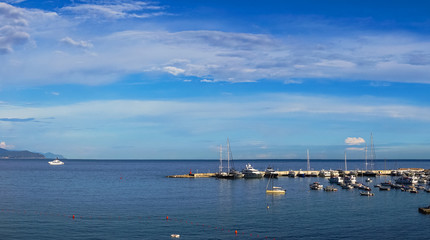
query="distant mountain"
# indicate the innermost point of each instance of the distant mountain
(53, 155)
(20, 154)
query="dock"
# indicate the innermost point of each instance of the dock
(193, 175)
(282, 173)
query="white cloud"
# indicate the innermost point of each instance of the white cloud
(355, 149)
(354, 141)
(71, 42)
(207, 81)
(174, 70)
(116, 10)
(5, 146)
(12, 28)
(293, 82)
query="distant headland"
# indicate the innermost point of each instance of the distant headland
(7, 154)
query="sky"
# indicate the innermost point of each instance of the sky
(122, 79)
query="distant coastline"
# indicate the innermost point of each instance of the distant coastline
(8, 154)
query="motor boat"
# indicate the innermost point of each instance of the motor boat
(56, 162)
(250, 172)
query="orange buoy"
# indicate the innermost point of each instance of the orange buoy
(73, 216)
(235, 232)
(167, 217)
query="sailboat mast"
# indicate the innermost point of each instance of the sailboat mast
(372, 151)
(228, 155)
(346, 169)
(220, 158)
(365, 157)
(307, 156)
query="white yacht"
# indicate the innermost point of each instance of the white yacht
(250, 172)
(56, 162)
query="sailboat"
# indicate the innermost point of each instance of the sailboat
(272, 189)
(231, 172)
(371, 173)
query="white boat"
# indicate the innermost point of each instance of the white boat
(316, 186)
(56, 162)
(250, 172)
(272, 189)
(368, 180)
(324, 173)
(351, 179)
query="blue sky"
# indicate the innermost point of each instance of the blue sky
(174, 79)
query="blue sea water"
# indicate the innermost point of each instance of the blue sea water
(124, 199)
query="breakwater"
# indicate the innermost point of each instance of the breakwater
(313, 173)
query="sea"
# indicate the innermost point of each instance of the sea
(133, 199)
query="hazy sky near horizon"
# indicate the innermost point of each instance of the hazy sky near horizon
(175, 79)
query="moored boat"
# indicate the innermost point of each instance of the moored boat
(270, 172)
(316, 186)
(367, 193)
(336, 180)
(330, 189)
(292, 173)
(407, 180)
(272, 189)
(250, 172)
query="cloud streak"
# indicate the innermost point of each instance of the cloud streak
(202, 54)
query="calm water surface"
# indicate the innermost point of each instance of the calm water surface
(131, 200)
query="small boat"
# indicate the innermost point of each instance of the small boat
(316, 186)
(368, 180)
(347, 186)
(427, 190)
(272, 189)
(424, 210)
(384, 188)
(351, 179)
(301, 173)
(367, 193)
(250, 172)
(56, 162)
(330, 189)
(324, 173)
(291, 173)
(175, 235)
(270, 173)
(337, 180)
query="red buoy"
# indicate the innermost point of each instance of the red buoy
(73, 216)
(235, 232)
(167, 217)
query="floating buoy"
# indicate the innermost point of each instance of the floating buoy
(167, 217)
(73, 216)
(175, 235)
(235, 232)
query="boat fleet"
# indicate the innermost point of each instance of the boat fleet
(410, 180)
